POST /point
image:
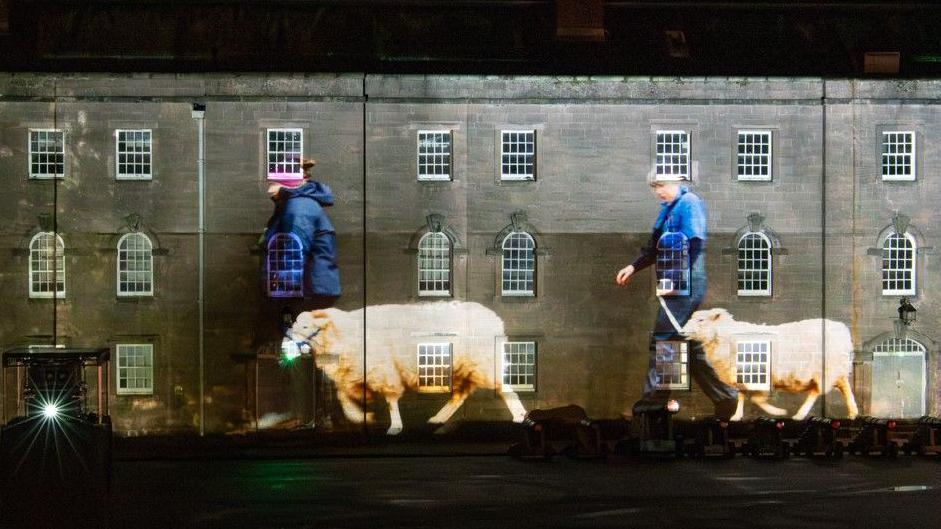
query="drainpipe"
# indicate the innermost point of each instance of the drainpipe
(365, 275)
(199, 114)
(823, 247)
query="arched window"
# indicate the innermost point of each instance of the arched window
(519, 264)
(46, 266)
(754, 265)
(135, 265)
(285, 266)
(898, 265)
(434, 265)
(673, 264)
(898, 379)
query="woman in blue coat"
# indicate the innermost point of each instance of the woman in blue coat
(300, 211)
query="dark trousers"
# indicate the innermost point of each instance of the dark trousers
(701, 370)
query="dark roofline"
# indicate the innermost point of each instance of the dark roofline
(764, 38)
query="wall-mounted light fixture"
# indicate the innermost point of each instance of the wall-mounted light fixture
(906, 312)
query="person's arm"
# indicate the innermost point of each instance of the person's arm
(648, 254)
(647, 257)
(696, 246)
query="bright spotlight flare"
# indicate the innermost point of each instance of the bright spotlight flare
(673, 406)
(50, 411)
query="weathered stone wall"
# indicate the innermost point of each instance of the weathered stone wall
(589, 210)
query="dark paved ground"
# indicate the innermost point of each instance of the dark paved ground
(492, 491)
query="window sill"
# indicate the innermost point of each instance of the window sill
(139, 178)
(427, 180)
(432, 295)
(46, 177)
(434, 392)
(132, 299)
(44, 298)
(759, 180)
(898, 179)
(664, 178)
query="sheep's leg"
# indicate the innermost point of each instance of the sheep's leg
(740, 409)
(843, 386)
(813, 391)
(448, 409)
(352, 410)
(761, 400)
(512, 401)
(396, 427)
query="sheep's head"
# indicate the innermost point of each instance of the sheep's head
(703, 325)
(312, 333)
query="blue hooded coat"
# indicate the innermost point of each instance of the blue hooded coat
(300, 211)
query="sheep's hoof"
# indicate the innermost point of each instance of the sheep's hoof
(394, 430)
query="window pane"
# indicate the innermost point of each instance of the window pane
(754, 155)
(898, 265)
(672, 160)
(518, 155)
(434, 265)
(519, 264)
(434, 155)
(285, 266)
(754, 265)
(898, 155)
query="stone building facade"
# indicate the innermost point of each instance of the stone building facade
(826, 213)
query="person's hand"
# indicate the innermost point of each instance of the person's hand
(274, 189)
(624, 275)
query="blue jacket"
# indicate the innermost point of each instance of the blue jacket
(301, 211)
(688, 216)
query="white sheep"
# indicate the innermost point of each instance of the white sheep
(393, 333)
(796, 359)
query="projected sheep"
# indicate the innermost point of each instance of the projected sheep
(796, 359)
(392, 365)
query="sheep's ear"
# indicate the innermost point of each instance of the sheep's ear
(716, 316)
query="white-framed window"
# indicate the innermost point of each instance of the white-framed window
(673, 264)
(46, 266)
(898, 265)
(519, 366)
(753, 364)
(284, 263)
(899, 379)
(133, 154)
(898, 155)
(135, 368)
(672, 364)
(434, 155)
(519, 264)
(434, 265)
(284, 151)
(434, 367)
(753, 156)
(518, 154)
(672, 161)
(135, 265)
(754, 265)
(46, 153)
